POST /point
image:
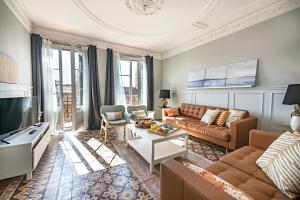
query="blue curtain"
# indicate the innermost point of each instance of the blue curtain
(37, 73)
(150, 82)
(94, 116)
(109, 98)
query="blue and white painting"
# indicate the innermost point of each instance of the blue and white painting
(239, 74)
(215, 76)
(196, 79)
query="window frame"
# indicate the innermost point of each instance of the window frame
(131, 60)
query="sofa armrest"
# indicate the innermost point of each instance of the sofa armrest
(164, 114)
(180, 183)
(239, 132)
(262, 139)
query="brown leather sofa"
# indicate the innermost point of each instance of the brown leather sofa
(238, 168)
(189, 119)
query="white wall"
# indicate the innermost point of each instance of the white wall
(276, 43)
(15, 43)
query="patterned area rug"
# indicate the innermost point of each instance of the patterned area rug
(81, 166)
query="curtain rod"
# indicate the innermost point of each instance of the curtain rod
(130, 55)
(63, 42)
(81, 45)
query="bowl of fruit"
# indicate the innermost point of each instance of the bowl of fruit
(145, 123)
(163, 130)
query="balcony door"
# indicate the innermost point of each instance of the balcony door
(68, 81)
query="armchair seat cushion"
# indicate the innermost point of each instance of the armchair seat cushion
(117, 122)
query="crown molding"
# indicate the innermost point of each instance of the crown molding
(18, 11)
(69, 38)
(278, 8)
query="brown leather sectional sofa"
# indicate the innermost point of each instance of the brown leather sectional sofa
(189, 119)
(238, 168)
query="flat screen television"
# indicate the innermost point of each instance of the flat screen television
(16, 114)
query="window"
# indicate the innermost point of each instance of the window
(131, 80)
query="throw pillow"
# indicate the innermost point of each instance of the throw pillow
(139, 113)
(210, 116)
(234, 115)
(222, 117)
(172, 112)
(112, 116)
(230, 189)
(281, 164)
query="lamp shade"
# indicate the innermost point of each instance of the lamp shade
(164, 94)
(292, 95)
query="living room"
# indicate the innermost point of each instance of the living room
(149, 102)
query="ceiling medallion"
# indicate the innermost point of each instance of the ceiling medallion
(144, 7)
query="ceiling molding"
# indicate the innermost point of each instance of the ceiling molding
(18, 11)
(79, 4)
(69, 38)
(268, 12)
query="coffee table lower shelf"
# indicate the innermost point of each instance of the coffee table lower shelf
(155, 152)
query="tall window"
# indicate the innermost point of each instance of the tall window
(131, 80)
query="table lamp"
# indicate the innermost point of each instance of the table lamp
(164, 95)
(292, 97)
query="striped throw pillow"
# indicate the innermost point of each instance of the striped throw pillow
(281, 163)
(112, 116)
(222, 117)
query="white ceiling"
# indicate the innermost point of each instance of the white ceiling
(178, 26)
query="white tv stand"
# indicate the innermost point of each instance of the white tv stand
(23, 152)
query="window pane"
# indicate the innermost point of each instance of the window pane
(79, 78)
(135, 84)
(125, 67)
(125, 81)
(55, 60)
(66, 67)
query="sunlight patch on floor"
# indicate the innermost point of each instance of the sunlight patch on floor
(108, 155)
(90, 159)
(73, 158)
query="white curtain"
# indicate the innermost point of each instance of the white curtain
(143, 72)
(120, 98)
(86, 89)
(50, 95)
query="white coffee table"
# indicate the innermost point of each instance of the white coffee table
(155, 148)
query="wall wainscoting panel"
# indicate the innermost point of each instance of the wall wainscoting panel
(212, 99)
(263, 103)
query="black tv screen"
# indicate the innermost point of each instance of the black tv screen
(15, 114)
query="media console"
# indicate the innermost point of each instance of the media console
(21, 152)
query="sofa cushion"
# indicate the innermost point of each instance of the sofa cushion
(191, 110)
(223, 185)
(194, 126)
(257, 189)
(244, 159)
(221, 133)
(180, 121)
